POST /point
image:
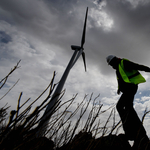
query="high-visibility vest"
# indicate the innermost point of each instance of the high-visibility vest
(132, 76)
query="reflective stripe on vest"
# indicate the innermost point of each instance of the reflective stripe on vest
(130, 76)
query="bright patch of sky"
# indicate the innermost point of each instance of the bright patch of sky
(100, 17)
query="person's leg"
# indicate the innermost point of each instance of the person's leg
(136, 127)
(121, 107)
(125, 102)
(132, 125)
(125, 110)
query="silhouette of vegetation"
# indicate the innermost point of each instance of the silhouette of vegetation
(66, 129)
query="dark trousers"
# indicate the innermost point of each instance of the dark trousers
(132, 125)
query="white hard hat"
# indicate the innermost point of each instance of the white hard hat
(109, 58)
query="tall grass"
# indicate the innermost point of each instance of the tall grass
(64, 123)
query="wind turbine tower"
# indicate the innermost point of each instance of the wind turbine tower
(78, 51)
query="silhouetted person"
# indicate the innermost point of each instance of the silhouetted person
(128, 78)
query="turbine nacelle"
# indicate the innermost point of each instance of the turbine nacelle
(74, 47)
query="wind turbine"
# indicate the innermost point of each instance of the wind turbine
(78, 51)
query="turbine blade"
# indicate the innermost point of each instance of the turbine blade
(84, 29)
(83, 56)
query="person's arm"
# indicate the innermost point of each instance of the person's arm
(120, 81)
(128, 65)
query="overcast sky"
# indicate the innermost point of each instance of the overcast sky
(40, 33)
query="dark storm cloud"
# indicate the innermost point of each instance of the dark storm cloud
(61, 22)
(4, 37)
(129, 35)
(131, 24)
(53, 22)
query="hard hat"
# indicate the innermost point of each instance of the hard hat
(109, 58)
